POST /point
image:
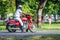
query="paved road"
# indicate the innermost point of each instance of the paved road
(28, 34)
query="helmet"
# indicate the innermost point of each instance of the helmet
(20, 6)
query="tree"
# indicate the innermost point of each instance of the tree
(41, 5)
(52, 7)
(6, 7)
(31, 6)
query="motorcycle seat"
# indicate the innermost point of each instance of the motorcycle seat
(16, 20)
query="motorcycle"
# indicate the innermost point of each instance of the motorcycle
(28, 25)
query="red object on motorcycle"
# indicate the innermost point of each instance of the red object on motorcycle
(24, 19)
(12, 21)
(17, 24)
(30, 24)
(28, 17)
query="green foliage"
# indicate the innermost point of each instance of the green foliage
(7, 6)
(52, 6)
(29, 6)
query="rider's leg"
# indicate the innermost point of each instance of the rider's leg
(20, 21)
(21, 27)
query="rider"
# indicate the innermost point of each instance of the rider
(18, 14)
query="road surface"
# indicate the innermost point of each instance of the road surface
(28, 34)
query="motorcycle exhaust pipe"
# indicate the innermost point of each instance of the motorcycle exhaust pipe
(15, 28)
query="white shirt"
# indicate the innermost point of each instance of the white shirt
(18, 13)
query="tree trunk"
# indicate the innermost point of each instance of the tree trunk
(40, 9)
(18, 2)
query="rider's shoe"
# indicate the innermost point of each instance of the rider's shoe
(22, 29)
(26, 30)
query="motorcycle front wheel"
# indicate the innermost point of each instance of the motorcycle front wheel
(33, 28)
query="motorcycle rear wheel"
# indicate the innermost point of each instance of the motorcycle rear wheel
(10, 26)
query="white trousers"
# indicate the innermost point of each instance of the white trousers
(19, 21)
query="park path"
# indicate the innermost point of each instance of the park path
(28, 34)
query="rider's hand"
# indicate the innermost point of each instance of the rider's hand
(24, 13)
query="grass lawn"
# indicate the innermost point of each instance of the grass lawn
(2, 27)
(46, 37)
(44, 27)
(51, 27)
